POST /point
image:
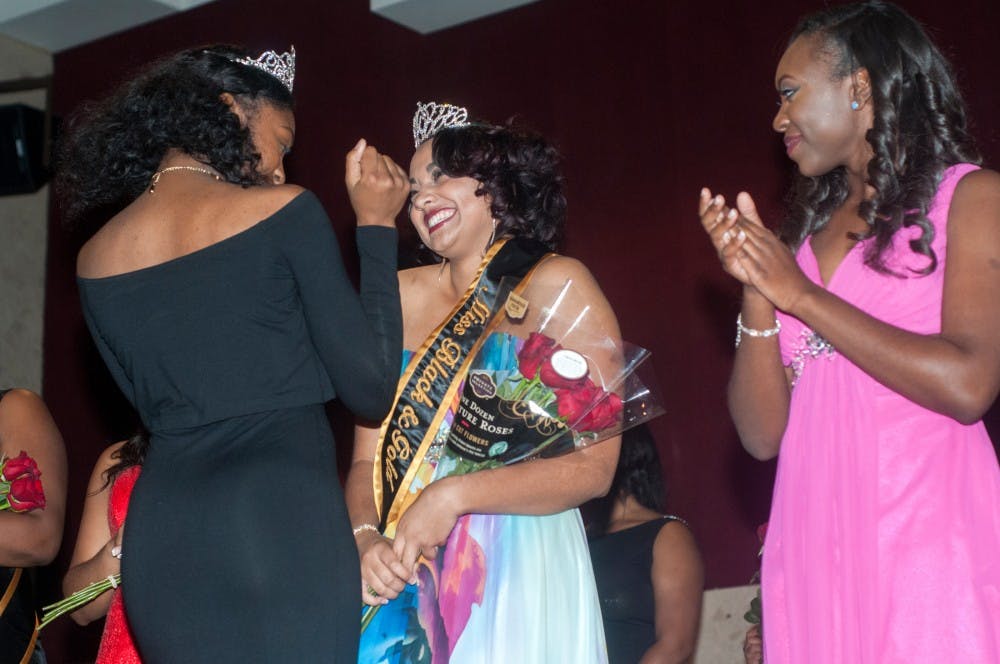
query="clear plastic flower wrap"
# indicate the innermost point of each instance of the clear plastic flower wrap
(549, 377)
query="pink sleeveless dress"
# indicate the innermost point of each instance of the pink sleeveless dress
(117, 646)
(883, 544)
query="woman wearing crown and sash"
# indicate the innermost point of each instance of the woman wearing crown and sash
(514, 583)
(218, 300)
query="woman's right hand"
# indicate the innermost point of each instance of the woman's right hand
(376, 185)
(383, 576)
(722, 224)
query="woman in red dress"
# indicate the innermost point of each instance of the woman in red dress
(98, 551)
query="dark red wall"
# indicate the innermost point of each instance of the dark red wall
(649, 100)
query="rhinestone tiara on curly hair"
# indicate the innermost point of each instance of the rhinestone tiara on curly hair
(431, 118)
(282, 67)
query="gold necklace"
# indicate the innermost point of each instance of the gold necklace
(156, 176)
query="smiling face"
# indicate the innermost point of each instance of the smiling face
(821, 129)
(451, 220)
(272, 129)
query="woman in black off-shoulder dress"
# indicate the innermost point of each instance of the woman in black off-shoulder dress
(218, 299)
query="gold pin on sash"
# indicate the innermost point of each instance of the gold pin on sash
(516, 306)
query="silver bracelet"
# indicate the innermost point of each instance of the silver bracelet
(751, 332)
(363, 527)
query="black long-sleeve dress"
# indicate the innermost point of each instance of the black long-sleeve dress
(237, 543)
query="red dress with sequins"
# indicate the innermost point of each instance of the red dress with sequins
(117, 646)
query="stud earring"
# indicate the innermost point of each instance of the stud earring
(855, 105)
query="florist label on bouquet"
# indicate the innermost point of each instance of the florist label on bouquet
(491, 431)
(433, 376)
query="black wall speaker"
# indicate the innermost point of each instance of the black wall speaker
(22, 149)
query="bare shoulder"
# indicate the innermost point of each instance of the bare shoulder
(557, 269)
(152, 231)
(273, 198)
(676, 539)
(977, 195)
(414, 280)
(677, 562)
(974, 216)
(20, 402)
(981, 180)
(245, 207)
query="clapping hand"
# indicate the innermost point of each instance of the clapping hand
(722, 224)
(376, 185)
(750, 252)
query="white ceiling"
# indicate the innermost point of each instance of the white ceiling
(426, 16)
(56, 25)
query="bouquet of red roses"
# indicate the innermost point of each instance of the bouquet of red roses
(548, 379)
(20, 484)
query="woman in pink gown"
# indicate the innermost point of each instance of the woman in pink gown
(867, 357)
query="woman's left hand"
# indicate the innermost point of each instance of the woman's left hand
(769, 264)
(426, 525)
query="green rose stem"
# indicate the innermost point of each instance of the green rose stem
(78, 599)
(369, 615)
(525, 387)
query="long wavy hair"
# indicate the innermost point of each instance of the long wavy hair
(114, 146)
(919, 130)
(518, 169)
(131, 453)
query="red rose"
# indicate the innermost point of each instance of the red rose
(573, 404)
(19, 466)
(26, 494)
(535, 350)
(603, 415)
(551, 377)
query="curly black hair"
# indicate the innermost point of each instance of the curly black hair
(919, 130)
(638, 474)
(114, 146)
(131, 453)
(518, 169)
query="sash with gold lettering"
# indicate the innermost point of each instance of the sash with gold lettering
(435, 372)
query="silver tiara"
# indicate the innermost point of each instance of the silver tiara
(431, 118)
(282, 67)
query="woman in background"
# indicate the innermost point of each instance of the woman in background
(867, 357)
(98, 550)
(28, 539)
(649, 573)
